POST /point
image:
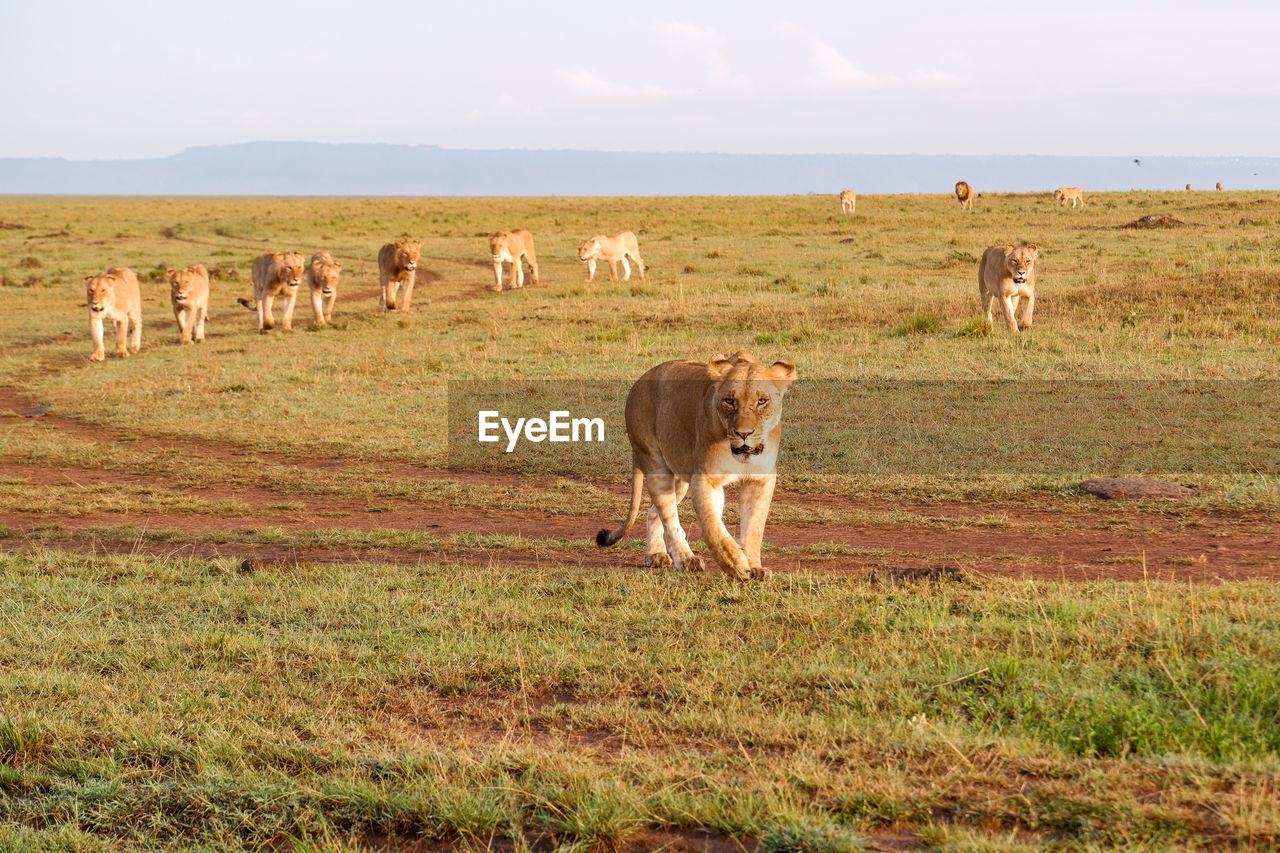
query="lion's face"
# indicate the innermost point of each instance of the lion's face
(407, 253)
(1058, 194)
(181, 285)
(588, 248)
(748, 402)
(99, 291)
(325, 276)
(500, 245)
(291, 268)
(1019, 263)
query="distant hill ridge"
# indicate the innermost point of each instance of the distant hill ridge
(310, 168)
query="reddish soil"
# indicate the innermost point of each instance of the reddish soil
(1069, 538)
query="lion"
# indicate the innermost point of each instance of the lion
(189, 293)
(1069, 194)
(964, 193)
(115, 295)
(848, 201)
(508, 246)
(697, 428)
(273, 275)
(397, 263)
(322, 279)
(611, 249)
(1188, 187)
(1218, 186)
(1005, 274)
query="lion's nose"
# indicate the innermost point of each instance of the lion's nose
(743, 435)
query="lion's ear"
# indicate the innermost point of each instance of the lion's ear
(1008, 247)
(88, 279)
(1034, 250)
(783, 371)
(169, 271)
(719, 366)
(337, 265)
(742, 355)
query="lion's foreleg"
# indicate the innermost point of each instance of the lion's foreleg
(184, 318)
(122, 333)
(613, 268)
(407, 293)
(201, 313)
(1006, 305)
(591, 270)
(757, 496)
(289, 302)
(317, 306)
(626, 269)
(269, 317)
(639, 266)
(708, 501)
(1028, 308)
(517, 273)
(497, 275)
(665, 493)
(95, 334)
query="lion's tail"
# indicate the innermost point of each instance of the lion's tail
(607, 537)
(251, 304)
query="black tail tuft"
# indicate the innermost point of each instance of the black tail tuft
(252, 306)
(603, 539)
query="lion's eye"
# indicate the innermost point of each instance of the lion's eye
(762, 402)
(730, 403)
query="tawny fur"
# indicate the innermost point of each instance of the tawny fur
(115, 296)
(322, 281)
(275, 274)
(611, 249)
(964, 193)
(189, 296)
(1007, 274)
(697, 427)
(848, 201)
(509, 247)
(397, 270)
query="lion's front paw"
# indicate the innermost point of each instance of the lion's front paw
(694, 563)
(658, 560)
(759, 573)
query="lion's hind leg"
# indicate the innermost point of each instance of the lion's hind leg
(665, 493)
(655, 549)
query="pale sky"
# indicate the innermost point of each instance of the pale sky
(96, 80)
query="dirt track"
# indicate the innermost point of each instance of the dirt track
(1060, 538)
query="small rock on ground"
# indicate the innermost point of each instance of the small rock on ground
(1135, 488)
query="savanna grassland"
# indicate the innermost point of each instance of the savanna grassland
(248, 604)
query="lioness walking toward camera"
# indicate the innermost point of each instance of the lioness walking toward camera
(189, 294)
(275, 274)
(508, 247)
(964, 193)
(322, 280)
(397, 266)
(848, 201)
(114, 295)
(697, 428)
(1006, 274)
(1069, 194)
(611, 249)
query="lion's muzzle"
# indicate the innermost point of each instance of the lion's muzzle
(744, 452)
(97, 309)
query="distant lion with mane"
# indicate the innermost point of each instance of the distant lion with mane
(964, 193)
(697, 427)
(611, 249)
(509, 247)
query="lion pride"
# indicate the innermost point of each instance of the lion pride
(397, 265)
(611, 249)
(697, 427)
(189, 295)
(114, 295)
(848, 201)
(1005, 274)
(508, 247)
(964, 193)
(1069, 194)
(322, 279)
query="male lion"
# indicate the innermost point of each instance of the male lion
(508, 246)
(1069, 194)
(322, 278)
(697, 428)
(1218, 187)
(189, 293)
(397, 263)
(611, 249)
(1006, 273)
(114, 294)
(1188, 187)
(964, 193)
(275, 274)
(848, 201)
